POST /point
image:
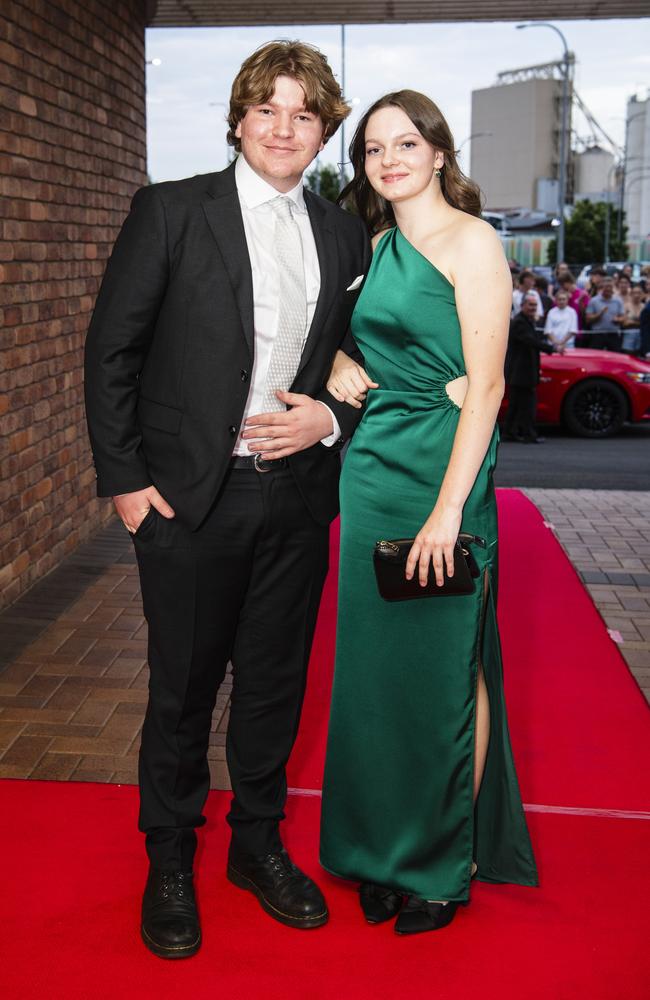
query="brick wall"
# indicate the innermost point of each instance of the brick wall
(72, 152)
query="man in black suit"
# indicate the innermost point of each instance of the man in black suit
(525, 344)
(223, 304)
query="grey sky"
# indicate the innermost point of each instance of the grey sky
(445, 61)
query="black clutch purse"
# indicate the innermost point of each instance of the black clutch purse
(389, 560)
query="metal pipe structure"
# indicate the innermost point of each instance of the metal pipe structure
(563, 142)
(608, 212)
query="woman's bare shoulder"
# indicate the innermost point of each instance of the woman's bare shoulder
(377, 237)
(470, 228)
(475, 246)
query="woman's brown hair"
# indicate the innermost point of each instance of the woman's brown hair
(430, 122)
(255, 83)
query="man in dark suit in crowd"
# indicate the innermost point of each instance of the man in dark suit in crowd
(223, 304)
(644, 330)
(522, 373)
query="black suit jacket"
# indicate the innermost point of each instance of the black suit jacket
(522, 358)
(169, 351)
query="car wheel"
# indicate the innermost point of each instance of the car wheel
(595, 408)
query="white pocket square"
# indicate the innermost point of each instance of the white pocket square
(355, 284)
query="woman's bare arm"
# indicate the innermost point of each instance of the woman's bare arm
(483, 290)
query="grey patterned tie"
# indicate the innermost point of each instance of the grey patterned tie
(292, 319)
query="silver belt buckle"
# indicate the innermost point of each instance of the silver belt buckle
(256, 463)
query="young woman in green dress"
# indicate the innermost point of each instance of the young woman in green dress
(420, 791)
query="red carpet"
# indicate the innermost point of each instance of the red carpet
(74, 864)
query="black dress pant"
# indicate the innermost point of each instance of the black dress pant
(245, 587)
(522, 407)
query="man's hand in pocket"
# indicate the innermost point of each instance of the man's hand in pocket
(132, 508)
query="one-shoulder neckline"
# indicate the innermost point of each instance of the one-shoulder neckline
(425, 259)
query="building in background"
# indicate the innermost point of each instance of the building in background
(595, 175)
(517, 166)
(637, 168)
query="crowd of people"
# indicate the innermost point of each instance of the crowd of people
(612, 312)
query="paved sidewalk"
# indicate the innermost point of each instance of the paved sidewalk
(606, 534)
(73, 672)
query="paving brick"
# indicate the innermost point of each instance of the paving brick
(68, 697)
(93, 713)
(633, 603)
(100, 762)
(15, 770)
(593, 576)
(26, 751)
(60, 667)
(17, 674)
(17, 714)
(9, 730)
(123, 776)
(638, 657)
(93, 774)
(126, 708)
(60, 729)
(19, 701)
(55, 767)
(122, 727)
(87, 745)
(99, 655)
(41, 687)
(114, 695)
(141, 680)
(125, 668)
(219, 777)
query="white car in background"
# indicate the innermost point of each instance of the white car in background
(612, 267)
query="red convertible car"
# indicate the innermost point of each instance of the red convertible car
(592, 393)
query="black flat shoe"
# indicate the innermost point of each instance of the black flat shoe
(378, 903)
(284, 892)
(419, 915)
(170, 920)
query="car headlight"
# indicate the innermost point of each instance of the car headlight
(642, 378)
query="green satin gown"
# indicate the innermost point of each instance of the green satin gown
(398, 804)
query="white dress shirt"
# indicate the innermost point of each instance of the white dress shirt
(259, 226)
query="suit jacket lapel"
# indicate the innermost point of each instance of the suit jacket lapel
(223, 214)
(327, 250)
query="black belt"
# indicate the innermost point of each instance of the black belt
(257, 463)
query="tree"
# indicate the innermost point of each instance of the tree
(584, 234)
(326, 181)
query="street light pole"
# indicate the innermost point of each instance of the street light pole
(608, 211)
(474, 135)
(563, 142)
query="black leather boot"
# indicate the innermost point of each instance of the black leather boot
(170, 920)
(284, 892)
